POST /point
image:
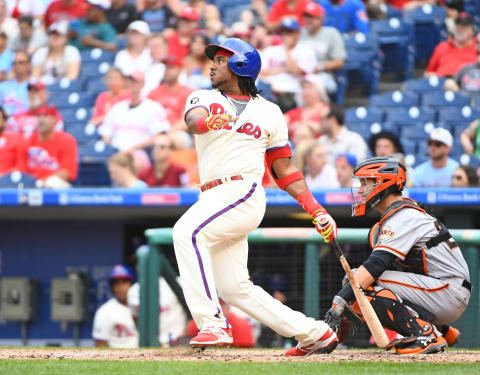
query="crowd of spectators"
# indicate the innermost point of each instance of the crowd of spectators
(158, 59)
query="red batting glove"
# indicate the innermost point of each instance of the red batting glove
(325, 225)
(217, 122)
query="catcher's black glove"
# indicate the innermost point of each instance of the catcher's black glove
(333, 317)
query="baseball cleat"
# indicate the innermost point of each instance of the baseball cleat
(422, 345)
(451, 336)
(211, 337)
(325, 345)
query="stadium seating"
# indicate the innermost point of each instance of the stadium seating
(425, 84)
(96, 55)
(363, 115)
(445, 99)
(93, 70)
(394, 99)
(429, 29)
(17, 180)
(396, 41)
(410, 115)
(66, 85)
(93, 169)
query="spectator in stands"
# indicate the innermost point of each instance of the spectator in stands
(93, 30)
(451, 55)
(29, 38)
(11, 147)
(6, 57)
(163, 172)
(131, 125)
(470, 138)
(171, 94)
(121, 14)
(64, 10)
(197, 64)
(122, 171)
(51, 156)
(468, 77)
(302, 139)
(117, 91)
(136, 56)
(21, 8)
(454, 8)
(256, 13)
(347, 16)
(464, 176)
(58, 60)
(25, 123)
(157, 45)
(327, 42)
(262, 38)
(113, 324)
(14, 93)
(284, 65)
(385, 143)
(338, 139)
(179, 41)
(241, 30)
(318, 173)
(438, 171)
(209, 17)
(345, 165)
(282, 9)
(8, 24)
(158, 15)
(316, 105)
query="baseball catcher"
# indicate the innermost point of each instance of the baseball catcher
(416, 277)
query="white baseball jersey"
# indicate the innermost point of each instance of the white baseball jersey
(113, 323)
(173, 319)
(240, 148)
(128, 126)
(276, 57)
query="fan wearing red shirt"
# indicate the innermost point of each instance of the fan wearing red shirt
(286, 8)
(48, 152)
(162, 172)
(65, 10)
(450, 56)
(171, 94)
(10, 147)
(25, 123)
(179, 41)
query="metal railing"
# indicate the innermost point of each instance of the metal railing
(152, 263)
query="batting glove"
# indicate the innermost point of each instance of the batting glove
(217, 122)
(325, 225)
(333, 317)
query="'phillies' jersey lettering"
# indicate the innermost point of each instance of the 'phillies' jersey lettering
(216, 109)
(250, 129)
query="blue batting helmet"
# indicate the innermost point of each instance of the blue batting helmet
(122, 271)
(245, 61)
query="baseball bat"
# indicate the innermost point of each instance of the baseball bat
(368, 312)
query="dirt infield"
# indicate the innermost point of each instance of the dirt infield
(235, 355)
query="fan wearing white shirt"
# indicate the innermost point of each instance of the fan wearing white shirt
(136, 57)
(319, 174)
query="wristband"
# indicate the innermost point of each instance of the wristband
(202, 125)
(309, 203)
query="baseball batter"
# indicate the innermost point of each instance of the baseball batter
(236, 130)
(416, 276)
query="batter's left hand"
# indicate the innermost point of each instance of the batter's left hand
(325, 225)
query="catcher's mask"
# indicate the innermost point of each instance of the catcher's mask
(373, 180)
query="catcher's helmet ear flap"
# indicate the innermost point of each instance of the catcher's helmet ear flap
(245, 60)
(386, 175)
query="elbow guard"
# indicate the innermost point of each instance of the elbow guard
(275, 153)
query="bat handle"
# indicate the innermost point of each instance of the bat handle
(338, 249)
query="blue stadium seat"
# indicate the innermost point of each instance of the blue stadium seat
(458, 116)
(417, 131)
(266, 89)
(83, 133)
(230, 13)
(95, 86)
(363, 64)
(72, 100)
(96, 150)
(396, 40)
(96, 55)
(385, 126)
(394, 99)
(364, 129)
(410, 115)
(429, 29)
(363, 115)
(94, 70)
(391, 12)
(17, 180)
(66, 85)
(409, 146)
(93, 163)
(425, 84)
(440, 99)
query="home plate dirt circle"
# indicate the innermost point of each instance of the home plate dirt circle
(234, 355)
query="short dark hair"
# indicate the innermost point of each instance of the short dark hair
(4, 114)
(337, 112)
(471, 174)
(26, 19)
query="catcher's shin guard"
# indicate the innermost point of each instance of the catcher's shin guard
(397, 316)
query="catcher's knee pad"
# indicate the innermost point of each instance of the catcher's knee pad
(395, 315)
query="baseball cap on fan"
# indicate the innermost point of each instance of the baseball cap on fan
(60, 27)
(290, 24)
(36, 86)
(46, 110)
(101, 4)
(137, 75)
(172, 60)
(441, 135)
(314, 10)
(140, 27)
(464, 19)
(190, 14)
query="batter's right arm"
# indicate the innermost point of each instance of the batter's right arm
(199, 122)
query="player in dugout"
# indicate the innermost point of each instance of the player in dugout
(235, 131)
(416, 277)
